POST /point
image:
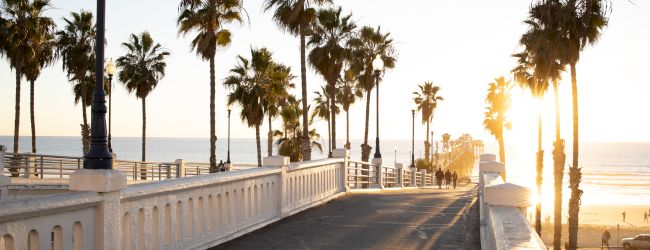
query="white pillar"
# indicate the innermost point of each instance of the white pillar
(345, 154)
(180, 168)
(30, 167)
(4, 180)
(423, 174)
(109, 183)
(281, 162)
(414, 176)
(400, 174)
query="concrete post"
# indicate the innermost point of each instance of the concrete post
(400, 174)
(345, 154)
(109, 183)
(30, 167)
(423, 173)
(180, 168)
(281, 162)
(4, 180)
(414, 176)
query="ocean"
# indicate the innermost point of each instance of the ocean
(613, 173)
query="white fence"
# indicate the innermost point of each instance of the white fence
(189, 213)
(502, 210)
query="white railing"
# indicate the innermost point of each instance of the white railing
(197, 212)
(503, 223)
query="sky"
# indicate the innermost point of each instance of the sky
(459, 45)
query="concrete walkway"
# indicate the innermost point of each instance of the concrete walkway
(414, 219)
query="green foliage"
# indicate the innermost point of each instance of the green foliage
(143, 65)
(424, 164)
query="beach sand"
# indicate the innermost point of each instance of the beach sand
(595, 219)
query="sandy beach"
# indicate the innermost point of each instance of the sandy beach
(595, 219)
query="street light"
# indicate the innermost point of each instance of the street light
(98, 156)
(413, 140)
(378, 66)
(229, 110)
(110, 71)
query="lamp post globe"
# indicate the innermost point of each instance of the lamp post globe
(378, 66)
(110, 69)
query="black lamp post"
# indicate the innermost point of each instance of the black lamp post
(377, 65)
(228, 158)
(98, 156)
(413, 140)
(110, 71)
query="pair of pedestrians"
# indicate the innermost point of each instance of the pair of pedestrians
(451, 179)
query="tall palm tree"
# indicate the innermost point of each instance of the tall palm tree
(544, 39)
(347, 94)
(288, 139)
(498, 100)
(208, 18)
(296, 17)
(524, 75)
(276, 80)
(583, 23)
(247, 90)
(426, 101)
(76, 44)
(331, 31)
(365, 46)
(322, 110)
(141, 69)
(18, 34)
(43, 43)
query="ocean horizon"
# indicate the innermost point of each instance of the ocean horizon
(613, 172)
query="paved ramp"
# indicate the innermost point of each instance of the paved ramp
(415, 219)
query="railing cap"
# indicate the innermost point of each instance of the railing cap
(275, 161)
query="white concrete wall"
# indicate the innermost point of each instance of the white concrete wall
(502, 220)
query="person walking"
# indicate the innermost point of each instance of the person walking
(623, 216)
(605, 239)
(448, 178)
(645, 217)
(439, 176)
(454, 178)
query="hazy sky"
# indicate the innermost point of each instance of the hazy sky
(459, 45)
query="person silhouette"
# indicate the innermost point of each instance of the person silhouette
(605, 239)
(454, 178)
(645, 217)
(447, 178)
(623, 216)
(439, 176)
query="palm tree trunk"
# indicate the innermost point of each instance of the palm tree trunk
(558, 162)
(259, 145)
(306, 146)
(502, 155)
(14, 171)
(85, 130)
(575, 174)
(333, 115)
(269, 141)
(213, 136)
(427, 144)
(365, 148)
(143, 171)
(347, 129)
(329, 138)
(540, 167)
(31, 115)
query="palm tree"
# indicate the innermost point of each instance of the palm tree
(207, 18)
(544, 41)
(366, 45)
(524, 75)
(330, 33)
(246, 83)
(296, 17)
(426, 101)
(43, 44)
(498, 100)
(18, 33)
(288, 139)
(322, 110)
(76, 43)
(141, 69)
(347, 94)
(276, 80)
(583, 23)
